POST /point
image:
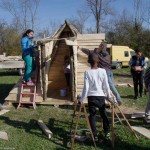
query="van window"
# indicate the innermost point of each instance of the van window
(132, 53)
(126, 53)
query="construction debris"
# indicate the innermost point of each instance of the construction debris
(145, 132)
(3, 111)
(45, 128)
(3, 135)
(147, 120)
(125, 84)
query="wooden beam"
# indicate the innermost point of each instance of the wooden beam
(145, 132)
(45, 128)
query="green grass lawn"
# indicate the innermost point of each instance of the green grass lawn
(25, 134)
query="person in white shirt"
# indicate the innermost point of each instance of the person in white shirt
(96, 89)
(67, 70)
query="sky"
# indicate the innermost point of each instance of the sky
(59, 10)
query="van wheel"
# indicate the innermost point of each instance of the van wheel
(118, 66)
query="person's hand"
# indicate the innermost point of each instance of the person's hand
(112, 101)
(38, 42)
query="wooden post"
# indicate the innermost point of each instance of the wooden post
(72, 79)
(43, 68)
(113, 136)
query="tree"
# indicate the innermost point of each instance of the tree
(100, 9)
(9, 40)
(80, 19)
(23, 12)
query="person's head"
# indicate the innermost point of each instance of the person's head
(66, 59)
(93, 59)
(138, 52)
(29, 33)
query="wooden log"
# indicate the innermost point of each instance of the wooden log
(3, 135)
(45, 128)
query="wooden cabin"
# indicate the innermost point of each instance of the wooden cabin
(52, 51)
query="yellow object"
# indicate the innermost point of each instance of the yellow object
(120, 56)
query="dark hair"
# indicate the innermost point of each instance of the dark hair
(93, 58)
(137, 50)
(27, 32)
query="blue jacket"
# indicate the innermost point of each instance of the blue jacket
(27, 49)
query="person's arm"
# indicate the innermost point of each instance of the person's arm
(144, 65)
(131, 64)
(85, 50)
(24, 43)
(85, 88)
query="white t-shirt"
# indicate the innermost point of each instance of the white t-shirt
(95, 84)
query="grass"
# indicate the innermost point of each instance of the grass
(25, 134)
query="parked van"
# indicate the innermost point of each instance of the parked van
(120, 55)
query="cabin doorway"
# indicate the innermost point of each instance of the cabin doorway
(59, 80)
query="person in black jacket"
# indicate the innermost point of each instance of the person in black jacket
(137, 71)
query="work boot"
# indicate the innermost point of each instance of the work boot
(140, 95)
(135, 97)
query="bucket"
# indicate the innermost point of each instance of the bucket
(63, 92)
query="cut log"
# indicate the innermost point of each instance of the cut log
(45, 128)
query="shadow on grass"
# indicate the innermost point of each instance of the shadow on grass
(127, 96)
(4, 91)
(29, 127)
(121, 75)
(9, 72)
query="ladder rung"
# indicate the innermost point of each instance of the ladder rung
(27, 102)
(25, 85)
(27, 93)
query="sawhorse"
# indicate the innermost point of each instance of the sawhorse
(81, 107)
(114, 113)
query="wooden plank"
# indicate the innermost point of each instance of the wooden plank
(3, 111)
(143, 131)
(45, 128)
(70, 43)
(95, 44)
(91, 36)
(16, 97)
(12, 64)
(89, 41)
(138, 115)
(3, 135)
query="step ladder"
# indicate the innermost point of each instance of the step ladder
(27, 91)
(74, 132)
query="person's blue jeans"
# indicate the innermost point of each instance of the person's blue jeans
(99, 102)
(29, 67)
(112, 86)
